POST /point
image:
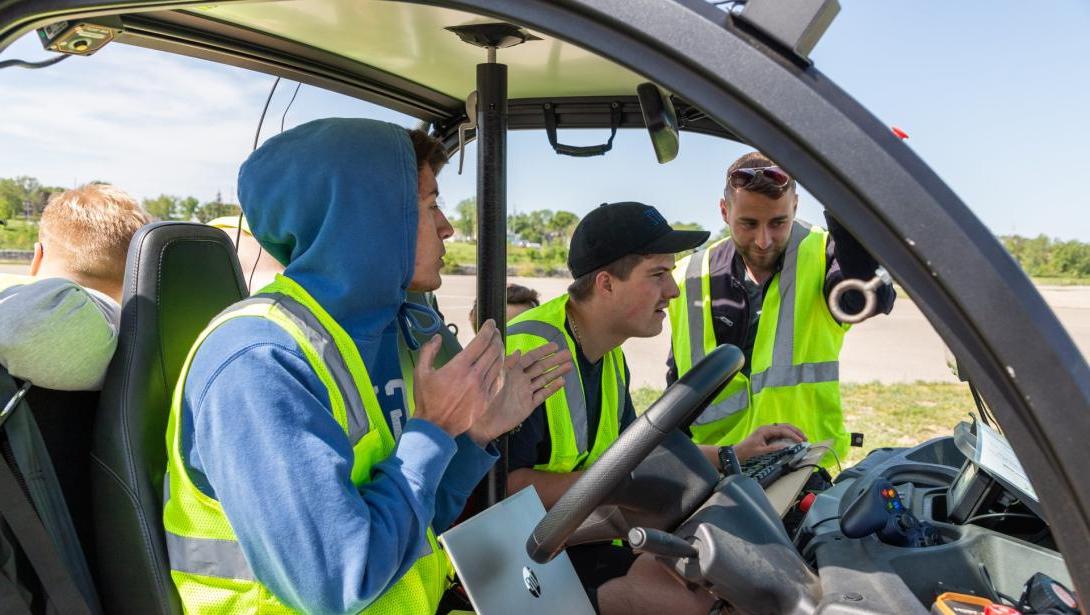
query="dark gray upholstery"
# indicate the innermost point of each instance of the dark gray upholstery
(66, 420)
(178, 276)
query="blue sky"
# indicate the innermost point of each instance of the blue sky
(993, 94)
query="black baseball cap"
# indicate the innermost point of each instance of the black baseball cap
(613, 230)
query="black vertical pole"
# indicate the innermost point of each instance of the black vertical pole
(492, 223)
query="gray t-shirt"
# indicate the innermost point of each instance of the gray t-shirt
(55, 333)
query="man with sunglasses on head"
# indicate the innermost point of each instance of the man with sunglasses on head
(765, 289)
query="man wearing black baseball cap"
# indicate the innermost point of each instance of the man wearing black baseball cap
(622, 259)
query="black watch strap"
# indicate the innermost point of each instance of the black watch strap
(728, 461)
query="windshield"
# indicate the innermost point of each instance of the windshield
(172, 131)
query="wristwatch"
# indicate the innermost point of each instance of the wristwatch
(728, 461)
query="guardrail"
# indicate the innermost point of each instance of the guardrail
(21, 256)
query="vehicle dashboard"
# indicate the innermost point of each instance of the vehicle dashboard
(1003, 545)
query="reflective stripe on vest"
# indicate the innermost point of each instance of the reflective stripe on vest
(566, 410)
(790, 375)
(210, 557)
(323, 342)
(782, 372)
(722, 409)
(208, 565)
(783, 349)
(694, 298)
(773, 366)
(223, 558)
(573, 387)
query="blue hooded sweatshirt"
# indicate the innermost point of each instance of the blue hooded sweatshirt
(335, 201)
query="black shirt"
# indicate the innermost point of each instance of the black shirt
(755, 293)
(530, 444)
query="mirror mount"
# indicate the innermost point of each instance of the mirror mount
(661, 120)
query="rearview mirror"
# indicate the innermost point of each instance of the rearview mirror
(661, 120)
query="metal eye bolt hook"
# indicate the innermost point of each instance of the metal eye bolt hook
(869, 289)
(469, 124)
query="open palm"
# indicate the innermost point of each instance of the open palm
(528, 380)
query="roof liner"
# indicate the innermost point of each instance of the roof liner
(411, 40)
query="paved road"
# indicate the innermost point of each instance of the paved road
(869, 348)
(900, 347)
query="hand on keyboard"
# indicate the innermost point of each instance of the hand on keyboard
(768, 438)
(769, 467)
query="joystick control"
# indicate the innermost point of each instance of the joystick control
(879, 510)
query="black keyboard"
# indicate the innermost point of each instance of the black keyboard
(767, 468)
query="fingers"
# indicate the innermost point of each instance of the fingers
(549, 376)
(480, 344)
(548, 362)
(497, 343)
(787, 430)
(541, 351)
(512, 360)
(428, 352)
(492, 372)
(543, 393)
(493, 386)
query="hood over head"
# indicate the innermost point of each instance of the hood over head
(335, 201)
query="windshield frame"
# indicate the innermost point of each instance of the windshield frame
(956, 271)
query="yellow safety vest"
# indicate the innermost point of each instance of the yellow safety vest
(795, 370)
(566, 409)
(206, 561)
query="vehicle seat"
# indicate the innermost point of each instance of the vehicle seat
(178, 276)
(65, 420)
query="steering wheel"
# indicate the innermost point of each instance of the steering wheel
(682, 401)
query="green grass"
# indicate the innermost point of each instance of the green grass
(1061, 281)
(903, 414)
(887, 415)
(546, 261)
(18, 234)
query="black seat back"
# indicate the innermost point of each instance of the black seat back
(65, 420)
(178, 276)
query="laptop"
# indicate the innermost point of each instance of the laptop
(489, 553)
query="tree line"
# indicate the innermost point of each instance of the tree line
(25, 197)
(170, 207)
(540, 226)
(1043, 257)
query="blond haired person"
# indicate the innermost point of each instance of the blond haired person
(58, 326)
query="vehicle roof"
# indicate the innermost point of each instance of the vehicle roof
(413, 41)
(960, 276)
(403, 57)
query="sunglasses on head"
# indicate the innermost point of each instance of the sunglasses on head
(744, 178)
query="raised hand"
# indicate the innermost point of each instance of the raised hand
(528, 380)
(456, 396)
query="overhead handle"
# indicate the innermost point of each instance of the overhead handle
(582, 151)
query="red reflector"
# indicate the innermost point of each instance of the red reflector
(900, 134)
(806, 502)
(1000, 609)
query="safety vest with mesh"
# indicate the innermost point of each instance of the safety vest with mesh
(206, 562)
(566, 410)
(794, 374)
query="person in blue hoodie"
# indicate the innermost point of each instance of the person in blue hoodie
(287, 489)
